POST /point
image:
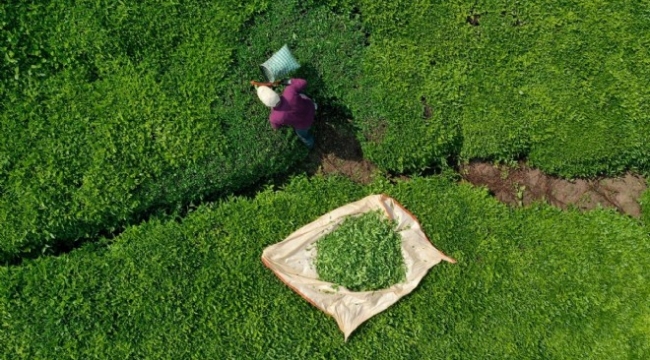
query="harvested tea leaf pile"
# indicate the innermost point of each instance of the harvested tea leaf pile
(362, 254)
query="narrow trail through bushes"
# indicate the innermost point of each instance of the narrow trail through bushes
(522, 185)
(338, 152)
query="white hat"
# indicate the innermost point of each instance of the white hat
(269, 97)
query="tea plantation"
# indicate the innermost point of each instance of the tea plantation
(529, 283)
(130, 130)
(112, 112)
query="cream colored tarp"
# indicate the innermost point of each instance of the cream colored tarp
(292, 261)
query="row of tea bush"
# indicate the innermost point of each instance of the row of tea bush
(531, 282)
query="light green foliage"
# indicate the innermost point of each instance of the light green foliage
(409, 100)
(560, 84)
(645, 208)
(112, 111)
(363, 253)
(529, 283)
(328, 46)
(137, 113)
(579, 75)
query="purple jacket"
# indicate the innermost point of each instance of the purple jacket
(294, 109)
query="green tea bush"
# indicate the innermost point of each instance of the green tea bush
(146, 114)
(559, 84)
(645, 208)
(110, 111)
(408, 104)
(529, 283)
(583, 73)
(329, 47)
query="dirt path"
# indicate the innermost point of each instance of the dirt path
(339, 152)
(521, 185)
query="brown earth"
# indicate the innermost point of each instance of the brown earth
(522, 185)
(338, 151)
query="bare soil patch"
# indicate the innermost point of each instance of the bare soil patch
(522, 185)
(337, 151)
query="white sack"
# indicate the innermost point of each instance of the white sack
(292, 260)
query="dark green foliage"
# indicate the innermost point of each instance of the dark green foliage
(111, 111)
(363, 254)
(560, 84)
(529, 283)
(409, 102)
(141, 112)
(645, 208)
(328, 46)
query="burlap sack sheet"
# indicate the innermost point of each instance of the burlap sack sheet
(292, 261)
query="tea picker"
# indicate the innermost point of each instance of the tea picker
(292, 108)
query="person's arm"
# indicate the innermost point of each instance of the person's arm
(296, 86)
(276, 120)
